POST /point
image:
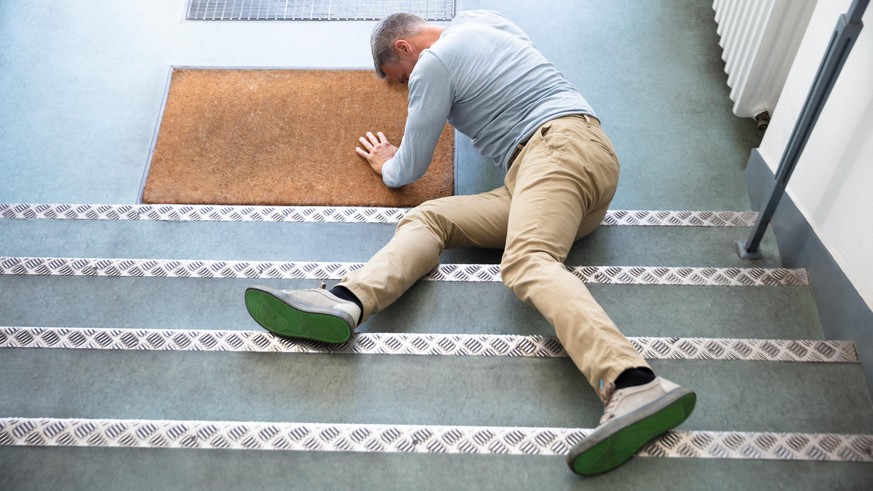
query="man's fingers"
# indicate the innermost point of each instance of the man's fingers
(372, 140)
(375, 149)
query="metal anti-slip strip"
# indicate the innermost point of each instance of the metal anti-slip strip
(46, 432)
(173, 268)
(652, 348)
(327, 214)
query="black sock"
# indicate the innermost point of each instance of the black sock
(346, 294)
(633, 377)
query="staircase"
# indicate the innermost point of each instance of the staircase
(128, 360)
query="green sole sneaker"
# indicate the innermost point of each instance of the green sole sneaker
(302, 314)
(614, 442)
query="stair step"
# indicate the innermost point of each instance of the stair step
(461, 390)
(353, 242)
(538, 390)
(652, 348)
(428, 307)
(88, 468)
(328, 214)
(186, 268)
(327, 437)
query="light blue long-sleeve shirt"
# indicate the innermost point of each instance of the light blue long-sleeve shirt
(488, 80)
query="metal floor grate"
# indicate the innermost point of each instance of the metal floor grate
(434, 10)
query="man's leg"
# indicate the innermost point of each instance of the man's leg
(561, 185)
(455, 221)
(332, 315)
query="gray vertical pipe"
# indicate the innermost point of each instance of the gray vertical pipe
(845, 34)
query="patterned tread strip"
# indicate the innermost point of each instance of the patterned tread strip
(652, 348)
(217, 213)
(171, 268)
(46, 432)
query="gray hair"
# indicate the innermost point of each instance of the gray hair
(388, 30)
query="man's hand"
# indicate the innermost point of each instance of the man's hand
(377, 150)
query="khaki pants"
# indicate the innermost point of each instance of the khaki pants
(556, 192)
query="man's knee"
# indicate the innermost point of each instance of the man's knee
(429, 218)
(426, 214)
(517, 270)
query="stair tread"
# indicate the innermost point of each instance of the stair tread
(733, 396)
(355, 242)
(437, 307)
(330, 214)
(392, 438)
(147, 469)
(421, 344)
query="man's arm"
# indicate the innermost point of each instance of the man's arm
(429, 104)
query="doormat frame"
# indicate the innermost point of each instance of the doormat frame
(165, 97)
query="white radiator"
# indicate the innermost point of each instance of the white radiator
(759, 39)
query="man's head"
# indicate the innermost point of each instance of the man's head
(394, 54)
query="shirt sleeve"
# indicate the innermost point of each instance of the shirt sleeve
(430, 101)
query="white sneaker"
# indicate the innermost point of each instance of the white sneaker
(318, 314)
(633, 417)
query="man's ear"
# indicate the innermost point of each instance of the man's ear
(402, 46)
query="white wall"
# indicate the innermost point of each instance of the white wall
(832, 184)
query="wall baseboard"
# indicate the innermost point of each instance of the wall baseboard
(843, 313)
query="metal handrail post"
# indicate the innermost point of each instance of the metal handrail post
(845, 34)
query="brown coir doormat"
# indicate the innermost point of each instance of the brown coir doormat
(283, 137)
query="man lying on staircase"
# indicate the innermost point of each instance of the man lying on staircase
(483, 75)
